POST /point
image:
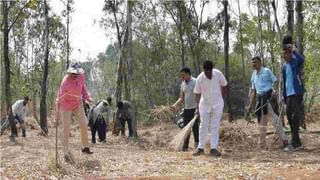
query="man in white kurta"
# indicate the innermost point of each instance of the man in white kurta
(210, 85)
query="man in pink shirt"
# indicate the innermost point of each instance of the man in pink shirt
(72, 92)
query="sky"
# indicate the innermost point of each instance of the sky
(88, 39)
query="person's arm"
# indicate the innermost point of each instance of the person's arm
(251, 99)
(84, 92)
(299, 57)
(179, 101)
(197, 92)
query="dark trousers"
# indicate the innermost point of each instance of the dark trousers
(123, 126)
(99, 126)
(294, 115)
(188, 115)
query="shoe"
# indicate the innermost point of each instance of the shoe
(103, 142)
(93, 141)
(196, 145)
(86, 150)
(298, 148)
(68, 157)
(198, 152)
(13, 139)
(284, 145)
(291, 148)
(185, 149)
(215, 153)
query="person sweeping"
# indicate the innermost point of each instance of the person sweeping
(187, 97)
(210, 86)
(71, 93)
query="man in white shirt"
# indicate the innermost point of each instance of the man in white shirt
(19, 111)
(210, 87)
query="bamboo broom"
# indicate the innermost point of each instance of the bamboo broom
(177, 142)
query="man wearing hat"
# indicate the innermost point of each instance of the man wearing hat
(72, 92)
(19, 110)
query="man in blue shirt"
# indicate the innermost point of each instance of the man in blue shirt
(293, 90)
(262, 80)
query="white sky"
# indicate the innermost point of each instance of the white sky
(87, 35)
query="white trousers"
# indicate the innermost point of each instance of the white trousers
(210, 119)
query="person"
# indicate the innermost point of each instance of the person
(125, 113)
(288, 43)
(262, 81)
(210, 86)
(19, 111)
(71, 93)
(188, 98)
(98, 120)
(293, 90)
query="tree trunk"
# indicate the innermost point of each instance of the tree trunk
(6, 61)
(260, 31)
(241, 43)
(299, 26)
(128, 45)
(68, 33)
(299, 43)
(226, 55)
(290, 17)
(43, 104)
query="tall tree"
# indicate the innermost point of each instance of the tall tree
(299, 26)
(177, 11)
(226, 54)
(69, 9)
(290, 20)
(43, 96)
(128, 52)
(259, 4)
(6, 61)
(299, 43)
(113, 7)
(241, 42)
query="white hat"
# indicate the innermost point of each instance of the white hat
(75, 68)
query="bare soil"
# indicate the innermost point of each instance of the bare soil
(148, 157)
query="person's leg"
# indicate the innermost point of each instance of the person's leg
(277, 124)
(297, 113)
(215, 120)
(130, 127)
(195, 130)
(263, 130)
(23, 129)
(187, 117)
(93, 131)
(80, 115)
(123, 127)
(102, 130)
(203, 130)
(66, 122)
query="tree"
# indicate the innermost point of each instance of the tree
(226, 54)
(6, 61)
(290, 17)
(43, 96)
(177, 11)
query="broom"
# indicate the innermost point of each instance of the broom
(177, 142)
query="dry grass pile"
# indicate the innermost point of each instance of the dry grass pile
(313, 115)
(162, 113)
(232, 134)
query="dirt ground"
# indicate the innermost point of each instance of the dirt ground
(149, 157)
